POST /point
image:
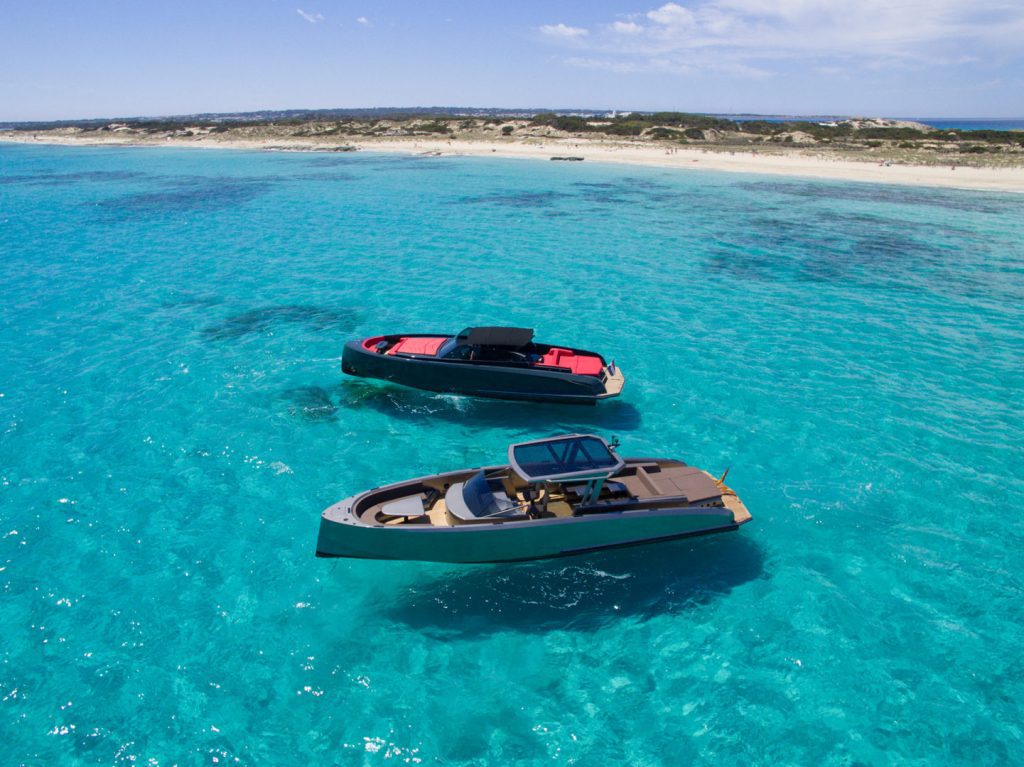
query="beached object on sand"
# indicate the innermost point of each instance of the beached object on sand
(556, 497)
(505, 363)
(569, 159)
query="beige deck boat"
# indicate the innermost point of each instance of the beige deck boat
(565, 495)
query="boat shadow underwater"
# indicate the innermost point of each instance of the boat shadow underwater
(580, 593)
(533, 417)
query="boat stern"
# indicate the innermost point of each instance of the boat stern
(732, 502)
(614, 380)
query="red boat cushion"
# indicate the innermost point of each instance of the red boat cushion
(580, 364)
(587, 366)
(555, 356)
(417, 345)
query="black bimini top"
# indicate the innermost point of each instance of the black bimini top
(575, 456)
(514, 337)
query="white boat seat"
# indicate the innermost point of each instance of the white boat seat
(473, 499)
(411, 506)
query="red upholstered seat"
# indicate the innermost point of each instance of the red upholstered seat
(556, 357)
(587, 366)
(584, 365)
(417, 345)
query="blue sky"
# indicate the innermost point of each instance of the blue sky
(932, 58)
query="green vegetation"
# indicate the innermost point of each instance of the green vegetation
(681, 119)
(567, 123)
(658, 125)
(625, 127)
(431, 127)
(664, 133)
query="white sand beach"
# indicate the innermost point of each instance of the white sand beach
(786, 163)
(781, 162)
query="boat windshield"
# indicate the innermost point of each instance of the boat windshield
(452, 349)
(570, 457)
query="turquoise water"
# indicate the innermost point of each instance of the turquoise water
(972, 123)
(173, 420)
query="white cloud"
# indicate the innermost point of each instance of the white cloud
(562, 31)
(363, 20)
(312, 18)
(672, 15)
(746, 36)
(627, 28)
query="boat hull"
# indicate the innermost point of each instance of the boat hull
(473, 379)
(341, 536)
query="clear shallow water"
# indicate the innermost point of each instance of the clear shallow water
(173, 420)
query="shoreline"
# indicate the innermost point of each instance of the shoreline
(789, 163)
